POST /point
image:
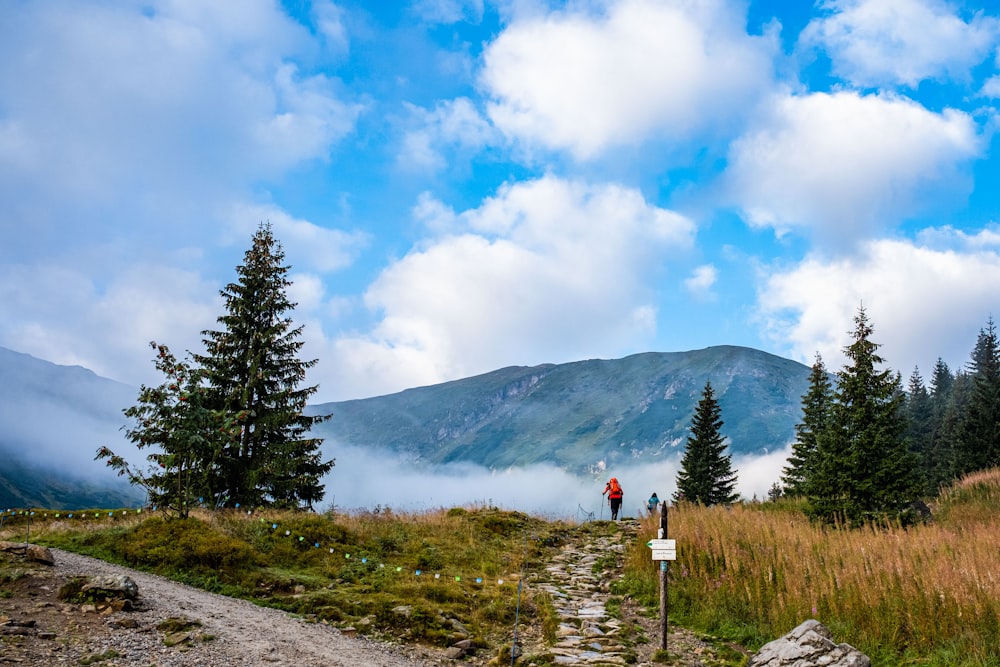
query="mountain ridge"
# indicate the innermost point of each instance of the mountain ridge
(581, 416)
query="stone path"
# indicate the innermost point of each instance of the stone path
(588, 634)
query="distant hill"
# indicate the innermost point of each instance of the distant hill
(52, 420)
(582, 414)
(576, 416)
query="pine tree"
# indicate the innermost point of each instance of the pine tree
(706, 476)
(980, 430)
(919, 413)
(939, 461)
(816, 406)
(185, 433)
(252, 368)
(864, 470)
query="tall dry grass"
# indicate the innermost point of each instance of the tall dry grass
(930, 594)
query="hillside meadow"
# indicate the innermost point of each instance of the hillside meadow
(926, 595)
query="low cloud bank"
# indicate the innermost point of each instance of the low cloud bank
(365, 478)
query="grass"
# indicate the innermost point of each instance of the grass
(927, 595)
(410, 577)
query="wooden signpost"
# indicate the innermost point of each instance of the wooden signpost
(663, 550)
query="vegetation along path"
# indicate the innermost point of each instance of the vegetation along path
(589, 624)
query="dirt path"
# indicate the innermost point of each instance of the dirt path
(40, 630)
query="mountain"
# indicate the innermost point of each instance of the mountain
(579, 415)
(576, 416)
(52, 420)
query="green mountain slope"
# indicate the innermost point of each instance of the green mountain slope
(576, 416)
(52, 420)
(579, 414)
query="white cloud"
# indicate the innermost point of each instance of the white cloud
(306, 244)
(449, 11)
(329, 18)
(545, 271)
(153, 114)
(584, 82)
(924, 303)
(62, 315)
(701, 281)
(991, 87)
(892, 42)
(453, 125)
(848, 165)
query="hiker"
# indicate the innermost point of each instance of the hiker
(614, 491)
(652, 503)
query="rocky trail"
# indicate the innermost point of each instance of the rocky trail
(597, 628)
(173, 625)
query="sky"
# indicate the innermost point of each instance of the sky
(460, 186)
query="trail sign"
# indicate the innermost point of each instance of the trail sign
(663, 549)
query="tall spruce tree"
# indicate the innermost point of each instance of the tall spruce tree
(816, 405)
(864, 469)
(252, 368)
(706, 474)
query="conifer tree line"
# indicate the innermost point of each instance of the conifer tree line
(226, 427)
(867, 448)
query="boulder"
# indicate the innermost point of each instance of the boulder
(112, 587)
(809, 645)
(32, 552)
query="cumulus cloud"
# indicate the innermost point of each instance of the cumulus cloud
(546, 270)
(127, 107)
(847, 166)
(901, 42)
(925, 302)
(585, 81)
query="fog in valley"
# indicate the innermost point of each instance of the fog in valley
(365, 479)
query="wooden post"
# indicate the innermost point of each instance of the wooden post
(663, 577)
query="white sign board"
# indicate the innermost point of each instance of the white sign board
(662, 544)
(664, 554)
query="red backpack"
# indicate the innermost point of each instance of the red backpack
(615, 488)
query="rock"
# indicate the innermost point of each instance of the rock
(403, 610)
(40, 555)
(809, 645)
(30, 551)
(119, 586)
(454, 653)
(175, 638)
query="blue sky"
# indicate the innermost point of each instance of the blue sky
(462, 186)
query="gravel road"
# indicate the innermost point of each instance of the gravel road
(241, 633)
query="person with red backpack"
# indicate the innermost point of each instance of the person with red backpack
(614, 492)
